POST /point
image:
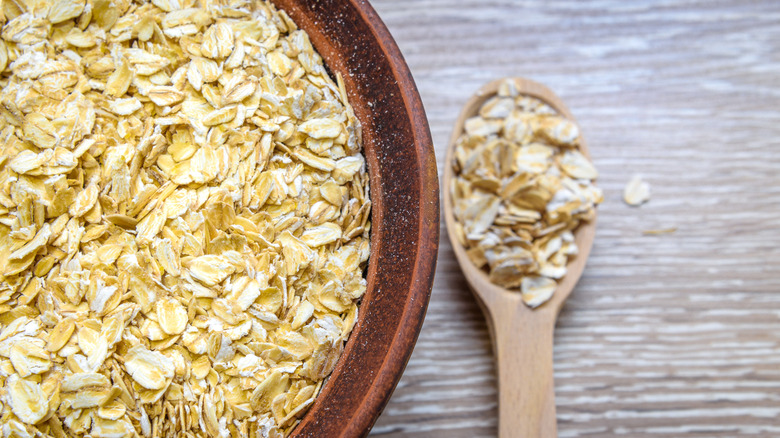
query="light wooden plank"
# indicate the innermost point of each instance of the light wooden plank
(667, 335)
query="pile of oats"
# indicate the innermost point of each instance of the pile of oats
(183, 219)
(521, 188)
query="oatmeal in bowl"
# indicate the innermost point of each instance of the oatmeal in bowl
(184, 219)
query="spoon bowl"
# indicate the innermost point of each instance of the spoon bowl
(522, 337)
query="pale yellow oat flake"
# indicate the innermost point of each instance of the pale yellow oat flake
(636, 192)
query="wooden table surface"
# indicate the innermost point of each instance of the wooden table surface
(665, 335)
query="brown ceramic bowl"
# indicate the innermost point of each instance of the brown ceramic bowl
(405, 212)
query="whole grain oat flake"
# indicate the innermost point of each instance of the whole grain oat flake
(521, 188)
(183, 219)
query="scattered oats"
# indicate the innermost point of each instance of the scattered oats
(521, 188)
(660, 231)
(184, 219)
(636, 192)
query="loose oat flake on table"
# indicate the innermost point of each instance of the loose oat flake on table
(521, 188)
(636, 192)
(183, 219)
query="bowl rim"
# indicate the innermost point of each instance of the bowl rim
(370, 398)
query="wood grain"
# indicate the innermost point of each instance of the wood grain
(665, 335)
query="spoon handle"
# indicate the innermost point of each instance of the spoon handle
(524, 347)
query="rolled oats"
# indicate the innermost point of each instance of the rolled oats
(184, 219)
(669, 230)
(521, 188)
(636, 192)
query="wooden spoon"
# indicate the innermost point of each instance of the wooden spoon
(522, 337)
